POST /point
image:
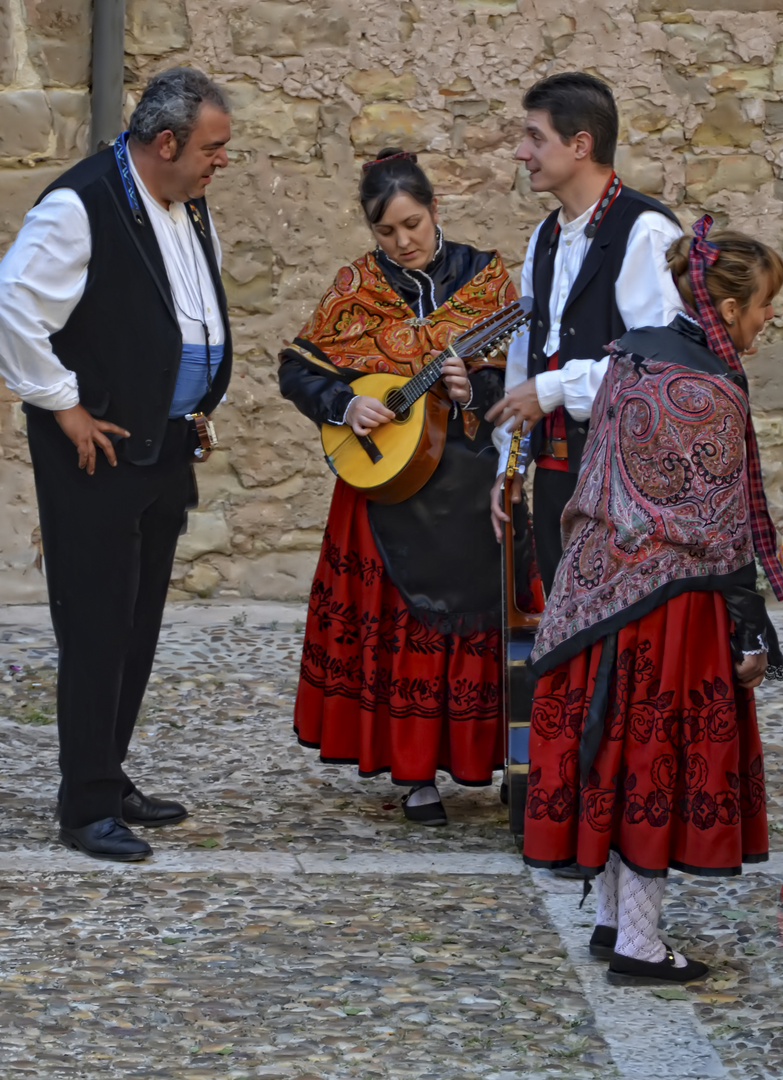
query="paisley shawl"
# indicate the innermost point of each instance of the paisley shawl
(661, 505)
(364, 326)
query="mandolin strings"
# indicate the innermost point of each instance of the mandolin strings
(491, 332)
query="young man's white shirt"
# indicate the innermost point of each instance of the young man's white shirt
(645, 295)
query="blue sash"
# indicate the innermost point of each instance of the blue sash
(192, 382)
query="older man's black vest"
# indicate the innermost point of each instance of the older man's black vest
(123, 340)
(591, 318)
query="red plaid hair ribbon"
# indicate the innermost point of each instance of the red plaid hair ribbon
(703, 254)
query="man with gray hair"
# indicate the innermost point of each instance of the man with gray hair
(114, 332)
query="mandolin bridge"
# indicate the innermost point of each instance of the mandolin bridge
(370, 448)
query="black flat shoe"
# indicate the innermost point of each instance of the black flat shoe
(572, 872)
(432, 813)
(624, 971)
(151, 813)
(108, 838)
(603, 941)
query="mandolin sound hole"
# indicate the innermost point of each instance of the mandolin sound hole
(396, 402)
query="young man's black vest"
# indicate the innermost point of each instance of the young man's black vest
(591, 318)
(123, 339)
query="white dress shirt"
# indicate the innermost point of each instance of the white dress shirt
(43, 277)
(645, 294)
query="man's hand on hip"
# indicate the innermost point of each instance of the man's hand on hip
(85, 432)
(520, 405)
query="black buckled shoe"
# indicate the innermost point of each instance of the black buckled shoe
(108, 838)
(603, 941)
(625, 971)
(151, 813)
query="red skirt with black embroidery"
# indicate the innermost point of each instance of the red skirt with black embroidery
(378, 688)
(678, 780)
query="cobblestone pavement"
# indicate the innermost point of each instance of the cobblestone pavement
(295, 926)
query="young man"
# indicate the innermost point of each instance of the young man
(113, 329)
(595, 268)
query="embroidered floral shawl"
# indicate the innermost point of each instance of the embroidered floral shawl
(363, 324)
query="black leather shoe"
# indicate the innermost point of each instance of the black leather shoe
(138, 809)
(603, 941)
(108, 838)
(625, 971)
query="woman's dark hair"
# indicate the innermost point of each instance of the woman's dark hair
(577, 102)
(392, 172)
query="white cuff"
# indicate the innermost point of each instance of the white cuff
(756, 652)
(54, 398)
(549, 390)
(338, 423)
(581, 380)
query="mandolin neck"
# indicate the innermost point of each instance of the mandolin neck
(404, 396)
(487, 334)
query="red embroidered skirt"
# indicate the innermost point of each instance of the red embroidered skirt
(678, 779)
(377, 687)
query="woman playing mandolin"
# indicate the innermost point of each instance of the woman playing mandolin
(401, 662)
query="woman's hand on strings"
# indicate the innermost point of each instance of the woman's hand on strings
(455, 379)
(365, 413)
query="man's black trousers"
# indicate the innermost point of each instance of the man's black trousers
(109, 542)
(551, 491)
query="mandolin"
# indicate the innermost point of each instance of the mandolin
(398, 458)
(519, 629)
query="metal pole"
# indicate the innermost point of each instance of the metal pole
(108, 64)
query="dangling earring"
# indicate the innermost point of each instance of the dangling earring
(731, 322)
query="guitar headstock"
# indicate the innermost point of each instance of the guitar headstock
(493, 334)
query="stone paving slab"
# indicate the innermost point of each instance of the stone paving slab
(297, 926)
(232, 976)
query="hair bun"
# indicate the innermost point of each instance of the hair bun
(389, 154)
(396, 151)
(677, 256)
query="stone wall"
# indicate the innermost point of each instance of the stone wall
(316, 86)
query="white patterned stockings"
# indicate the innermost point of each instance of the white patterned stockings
(606, 892)
(633, 904)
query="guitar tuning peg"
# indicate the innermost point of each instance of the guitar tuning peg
(493, 352)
